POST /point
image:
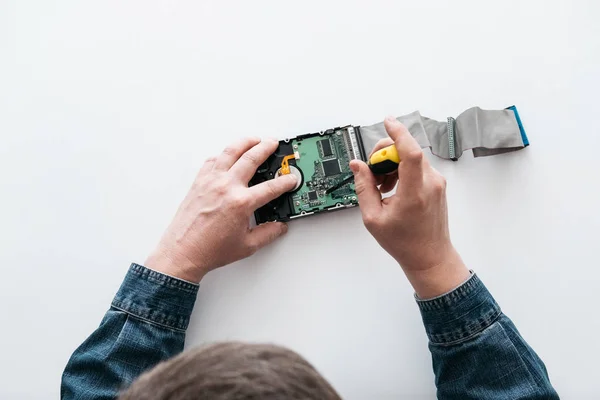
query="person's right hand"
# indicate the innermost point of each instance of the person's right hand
(411, 225)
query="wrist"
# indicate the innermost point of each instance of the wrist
(440, 278)
(173, 264)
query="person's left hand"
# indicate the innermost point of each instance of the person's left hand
(211, 227)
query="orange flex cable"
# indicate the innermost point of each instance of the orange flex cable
(285, 166)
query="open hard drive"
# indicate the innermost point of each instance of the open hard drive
(320, 161)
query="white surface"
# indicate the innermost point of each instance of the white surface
(108, 108)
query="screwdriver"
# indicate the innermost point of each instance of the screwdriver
(384, 161)
(381, 162)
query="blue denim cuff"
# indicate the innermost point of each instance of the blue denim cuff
(156, 298)
(460, 314)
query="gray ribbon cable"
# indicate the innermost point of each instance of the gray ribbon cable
(486, 132)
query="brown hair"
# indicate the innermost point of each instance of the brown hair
(232, 371)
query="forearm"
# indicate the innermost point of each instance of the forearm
(477, 351)
(145, 325)
(149, 316)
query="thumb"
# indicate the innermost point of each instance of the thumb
(365, 185)
(265, 234)
(270, 190)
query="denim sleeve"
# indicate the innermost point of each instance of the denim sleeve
(477, 351)
(145, 324)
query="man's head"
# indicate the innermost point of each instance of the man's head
(232, 371)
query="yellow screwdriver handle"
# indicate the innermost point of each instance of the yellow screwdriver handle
(384, 161)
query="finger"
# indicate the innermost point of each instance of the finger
(365, 186)
(233, 152)
(268, 191)
(410, 172)
(246, 166)
(265, 234)
(382, 179)
(381, 144)
(404, 141)
(208, 164)
(389, 183)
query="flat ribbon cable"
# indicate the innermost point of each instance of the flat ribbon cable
(486, 132)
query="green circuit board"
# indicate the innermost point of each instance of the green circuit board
(324, 162)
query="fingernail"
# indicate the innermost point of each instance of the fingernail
(284, 228)
(390, 118)
(354, 167)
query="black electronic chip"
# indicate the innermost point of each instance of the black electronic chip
(326, 147)
(331, 167)
(312, 196)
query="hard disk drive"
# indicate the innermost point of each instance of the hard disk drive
(320, 161)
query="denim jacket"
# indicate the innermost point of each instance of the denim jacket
(477, 351)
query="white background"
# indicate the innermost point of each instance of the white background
(108, 108)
